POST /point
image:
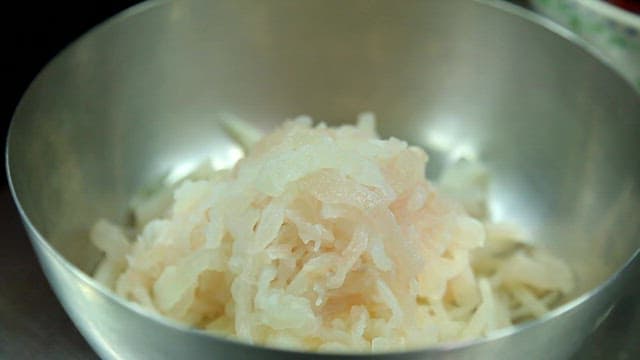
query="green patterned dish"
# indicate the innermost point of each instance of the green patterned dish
(614, 31)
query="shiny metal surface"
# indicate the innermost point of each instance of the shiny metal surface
(142, 93)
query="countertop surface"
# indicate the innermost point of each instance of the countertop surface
(33, 325)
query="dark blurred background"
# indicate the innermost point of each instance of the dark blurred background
(34, 32)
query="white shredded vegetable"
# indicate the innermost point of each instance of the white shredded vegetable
(330, 239)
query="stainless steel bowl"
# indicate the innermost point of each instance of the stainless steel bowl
(142, 93)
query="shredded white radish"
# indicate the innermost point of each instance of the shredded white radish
(330, 239)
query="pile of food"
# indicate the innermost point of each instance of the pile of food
(331, 239)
